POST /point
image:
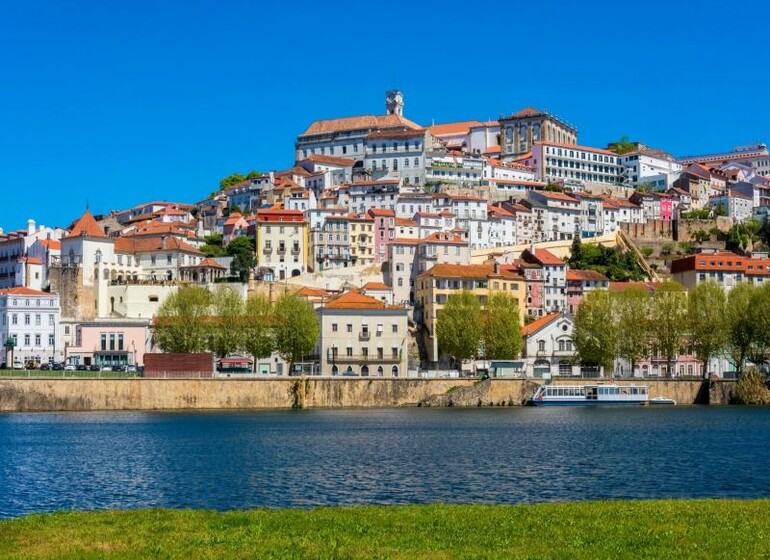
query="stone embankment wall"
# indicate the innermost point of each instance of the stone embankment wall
(203, 394)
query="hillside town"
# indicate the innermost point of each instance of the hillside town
(378, 223)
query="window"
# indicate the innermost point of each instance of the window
(26, 319)
(51, 340)
(334, 327)
(38, 320)
(37, 340)
(120, 341)
(541, 345)
(104, 341)
(395, 327)
(349, 351)
(14, 319)
(26, 340)
(350, 327)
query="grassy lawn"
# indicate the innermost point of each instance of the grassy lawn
(646, 529)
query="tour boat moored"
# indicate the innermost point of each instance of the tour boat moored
(598, 394)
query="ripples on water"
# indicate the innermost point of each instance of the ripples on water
(401, 456)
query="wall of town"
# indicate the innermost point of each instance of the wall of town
(560, 249)
(681, 230)
(201, 394)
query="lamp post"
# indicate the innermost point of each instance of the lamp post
(10, 343)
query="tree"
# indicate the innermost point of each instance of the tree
(622, 146)
(633, 323)
(576, 253)
(225, 336)
(669, 320)
(706, 312)
(213, 245)
(502, 330)
(595, 333)
(459, 329)
(258, 327)
(759, 319)
(740, 332)
(295, 328)
(181, 322)
(720, 210)
(244, 257)
(231, 180)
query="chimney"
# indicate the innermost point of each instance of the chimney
(30, 226)
(271, 174)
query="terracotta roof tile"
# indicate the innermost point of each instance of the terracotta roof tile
(538, 324)
(86, 226)
(331, 160)
(23, 291)
(353, 299)
(376, 286)
(363, 122)
(443, 270)
(581, 275)
(450, 129)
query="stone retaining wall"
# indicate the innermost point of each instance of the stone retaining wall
(202, 394)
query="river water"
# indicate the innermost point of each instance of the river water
(308, 458)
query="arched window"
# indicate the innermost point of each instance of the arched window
(380, 371)
(349, 371)
(365, 371)
(395, 164)
(98, 256)
(335, 370)
(394, 371)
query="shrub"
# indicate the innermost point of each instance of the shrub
(751, 388)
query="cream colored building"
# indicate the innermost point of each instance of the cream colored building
(362, 336)
(282, 243)
(443, 280)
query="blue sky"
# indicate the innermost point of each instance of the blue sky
(117, 103)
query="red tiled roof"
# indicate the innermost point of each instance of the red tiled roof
(395, 134)
(356, 300)
(405, 222)
(444, 237)
(363, 122)
(386, 212)
(545, 257)
(450, 129)
(538, 324)
(582, 275)
(331, 160)
(86, 226)
(578, 147)
(152, 244)
(51, 244)
(444, 270)
(376, 286)
(23, 291)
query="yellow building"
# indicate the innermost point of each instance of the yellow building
(436, 285)
(361, 230)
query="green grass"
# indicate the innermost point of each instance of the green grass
(42, 373)
(639, 529)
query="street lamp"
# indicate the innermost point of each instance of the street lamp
(10, 343)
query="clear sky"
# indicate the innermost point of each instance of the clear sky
(115, 103)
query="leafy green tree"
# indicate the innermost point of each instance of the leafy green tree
(213, 245)
(740, 329)
(576, 253)
(596, 334)
(257, 325)
(647, 251)
(231, 180)
(225, 335)
(759, 318)
(701, 236)
(633, 323)
(295, 328)
(706, 314)
(720, 210)
(669, 320)
(181, 323)
(243, 251)
(459, 328)
(502, 330)
(622, 146)
(253, 175)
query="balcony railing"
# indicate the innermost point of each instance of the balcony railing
(361, 358)
(364, 335)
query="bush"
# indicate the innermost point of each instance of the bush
(751, 388)
(647, 252)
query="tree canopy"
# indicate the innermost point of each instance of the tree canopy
(502, 328)
(596, 334)
(243, 251)
(617, 266)
(181, 322)
(295, 328)
(459, 328)
(622, 146)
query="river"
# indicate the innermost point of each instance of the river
(309, 458)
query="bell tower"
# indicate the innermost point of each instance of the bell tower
(394, 103)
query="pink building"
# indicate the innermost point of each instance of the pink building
(108, 343)
(384, 232)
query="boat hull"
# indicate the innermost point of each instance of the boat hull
(587, 403)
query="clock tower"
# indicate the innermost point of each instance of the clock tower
(394, 103)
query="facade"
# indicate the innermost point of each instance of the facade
(655, 168)
(725, 268)
(344, 137)
(575, 165)
(755, 155)
(555, 216)
(737, 205)
(31, 319)
(282, 243)
(362, 336)
(398, 154)
(108, 343)
(546, 277)
(580, 283)
(361, 230)
(384, 232)
(520, 131)
(548, 348)
(331, 243)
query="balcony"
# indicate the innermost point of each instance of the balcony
(364, 335)
(267, 250)
(338, 358)
(281, 250)
(295, 250)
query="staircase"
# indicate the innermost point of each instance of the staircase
(625, 241)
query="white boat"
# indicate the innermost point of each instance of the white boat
(661, 400)
(591, 395)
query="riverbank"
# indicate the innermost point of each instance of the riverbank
(44, 394)
(618, 529)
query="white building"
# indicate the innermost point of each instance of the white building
(556, 216)
(650, 167)
(365, 195)
(398, 154)
(31, 319)
(577, 164)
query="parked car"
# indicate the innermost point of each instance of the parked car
(81, 367)
(94, 367)
(18, 365)
(57, 366)
(131, 369)
(70, 367)
(105, 368)
(45, 366)
(119, 368)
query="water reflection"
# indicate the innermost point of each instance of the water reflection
(314, 458)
